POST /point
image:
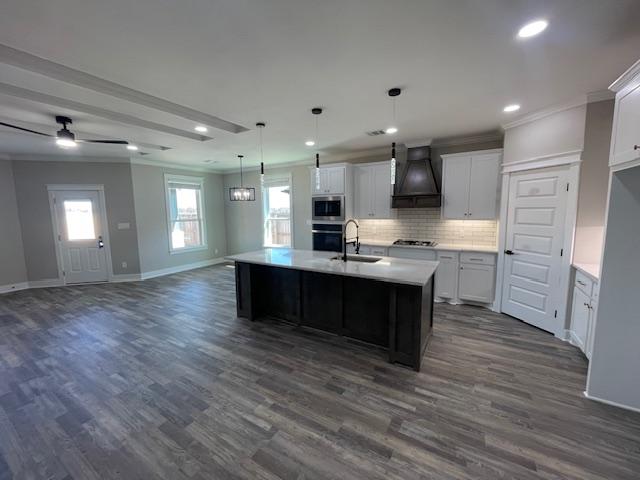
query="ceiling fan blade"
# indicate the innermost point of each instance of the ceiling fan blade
(114, 142)
(25, 129)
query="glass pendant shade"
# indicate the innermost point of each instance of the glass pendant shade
(242, 193)
(393, 163)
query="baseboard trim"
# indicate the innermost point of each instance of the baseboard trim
(610, 403)
(49, 282)
(181, 268)
(127, 277)
(14, 287)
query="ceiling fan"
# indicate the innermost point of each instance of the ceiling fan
(64, 137)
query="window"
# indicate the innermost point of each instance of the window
(276, 205)
(185, 213)
(79, 219)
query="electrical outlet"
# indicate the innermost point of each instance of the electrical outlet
(124, 264)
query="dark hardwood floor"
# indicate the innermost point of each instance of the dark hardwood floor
(158, 379)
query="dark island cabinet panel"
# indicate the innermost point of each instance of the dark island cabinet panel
(366, 310)
(398, 317)
(322, 302)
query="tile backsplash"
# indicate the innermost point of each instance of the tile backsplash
(426, 224)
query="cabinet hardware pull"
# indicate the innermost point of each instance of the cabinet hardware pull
(581, 283)
(475, 259)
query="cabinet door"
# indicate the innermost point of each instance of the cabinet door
(381, 190)
(363, 193)
(580, 317)
(476, 283)
(626, 133)
(334, 180)
(447, 275)
(457, 171)
(591, 328)
(483, 187)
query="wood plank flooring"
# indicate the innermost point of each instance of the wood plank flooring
(158, 379)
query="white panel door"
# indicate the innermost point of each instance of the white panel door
(457, 174)
(534, 239)
(81, 236)
(483, 187)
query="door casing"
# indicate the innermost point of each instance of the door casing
(571, 160)
(51, 189)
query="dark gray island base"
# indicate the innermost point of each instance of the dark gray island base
(396, 316)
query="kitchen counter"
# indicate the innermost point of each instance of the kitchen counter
(387, 269)
(440, 246)
(388, 303)
(590, 269)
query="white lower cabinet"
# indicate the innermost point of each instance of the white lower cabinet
(583, 308)
(447, 275)
(476, 282)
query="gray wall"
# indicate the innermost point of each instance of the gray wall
(31, 179)
(557, 133)
(12, 267)
(244, 219)
(151, 212)
(614, 370)
(594, 182)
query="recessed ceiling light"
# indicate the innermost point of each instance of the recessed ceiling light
(532, 29)
(391, 130)
(511, 108)
(132, 147)
(66, 143)
(201, 129)
(309, 143)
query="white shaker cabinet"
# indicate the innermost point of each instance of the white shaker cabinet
(373, 191)
(470, 185)
(583, 308)
(625, 144)
(447, 275)
(332, 181)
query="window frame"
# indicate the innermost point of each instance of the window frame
(196, 182)
(276, 180)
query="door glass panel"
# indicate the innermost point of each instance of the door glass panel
(79, 220)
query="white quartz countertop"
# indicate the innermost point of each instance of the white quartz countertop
(387, 269)
(590, 269)
(440, 246)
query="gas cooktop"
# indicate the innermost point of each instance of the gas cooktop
(419, 243)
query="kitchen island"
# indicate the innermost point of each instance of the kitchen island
(383, 301)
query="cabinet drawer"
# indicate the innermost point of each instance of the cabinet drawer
(415, 253)
(443, 255)
(378, 251)
(479, 258)
(584, 283)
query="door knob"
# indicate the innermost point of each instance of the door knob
(509, 252)
(100, 242)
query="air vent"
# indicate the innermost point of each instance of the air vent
(375, 133)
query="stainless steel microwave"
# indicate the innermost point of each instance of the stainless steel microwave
(329, 209)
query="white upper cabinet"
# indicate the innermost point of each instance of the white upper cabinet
(625, 146)
(332, 181)
(373, 191)
(470, 185)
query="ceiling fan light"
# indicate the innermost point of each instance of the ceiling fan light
(391, 130)
(66, 143)
(309, 143)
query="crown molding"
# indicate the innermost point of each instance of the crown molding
(600, 96)
(28, 157)
(545, 112)
(466, 140)
(42, 66)
(629, 75)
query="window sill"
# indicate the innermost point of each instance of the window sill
(188, 250)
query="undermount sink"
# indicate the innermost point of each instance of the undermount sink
(358, 258)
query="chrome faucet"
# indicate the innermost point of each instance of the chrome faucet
(345, 242)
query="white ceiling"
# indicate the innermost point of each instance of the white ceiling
(459, 63)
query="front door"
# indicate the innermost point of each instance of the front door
(80, 234)
(534, 240)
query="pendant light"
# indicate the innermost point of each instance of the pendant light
(317, 111)
(260, 126)
(393, 93)
(242, 193)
